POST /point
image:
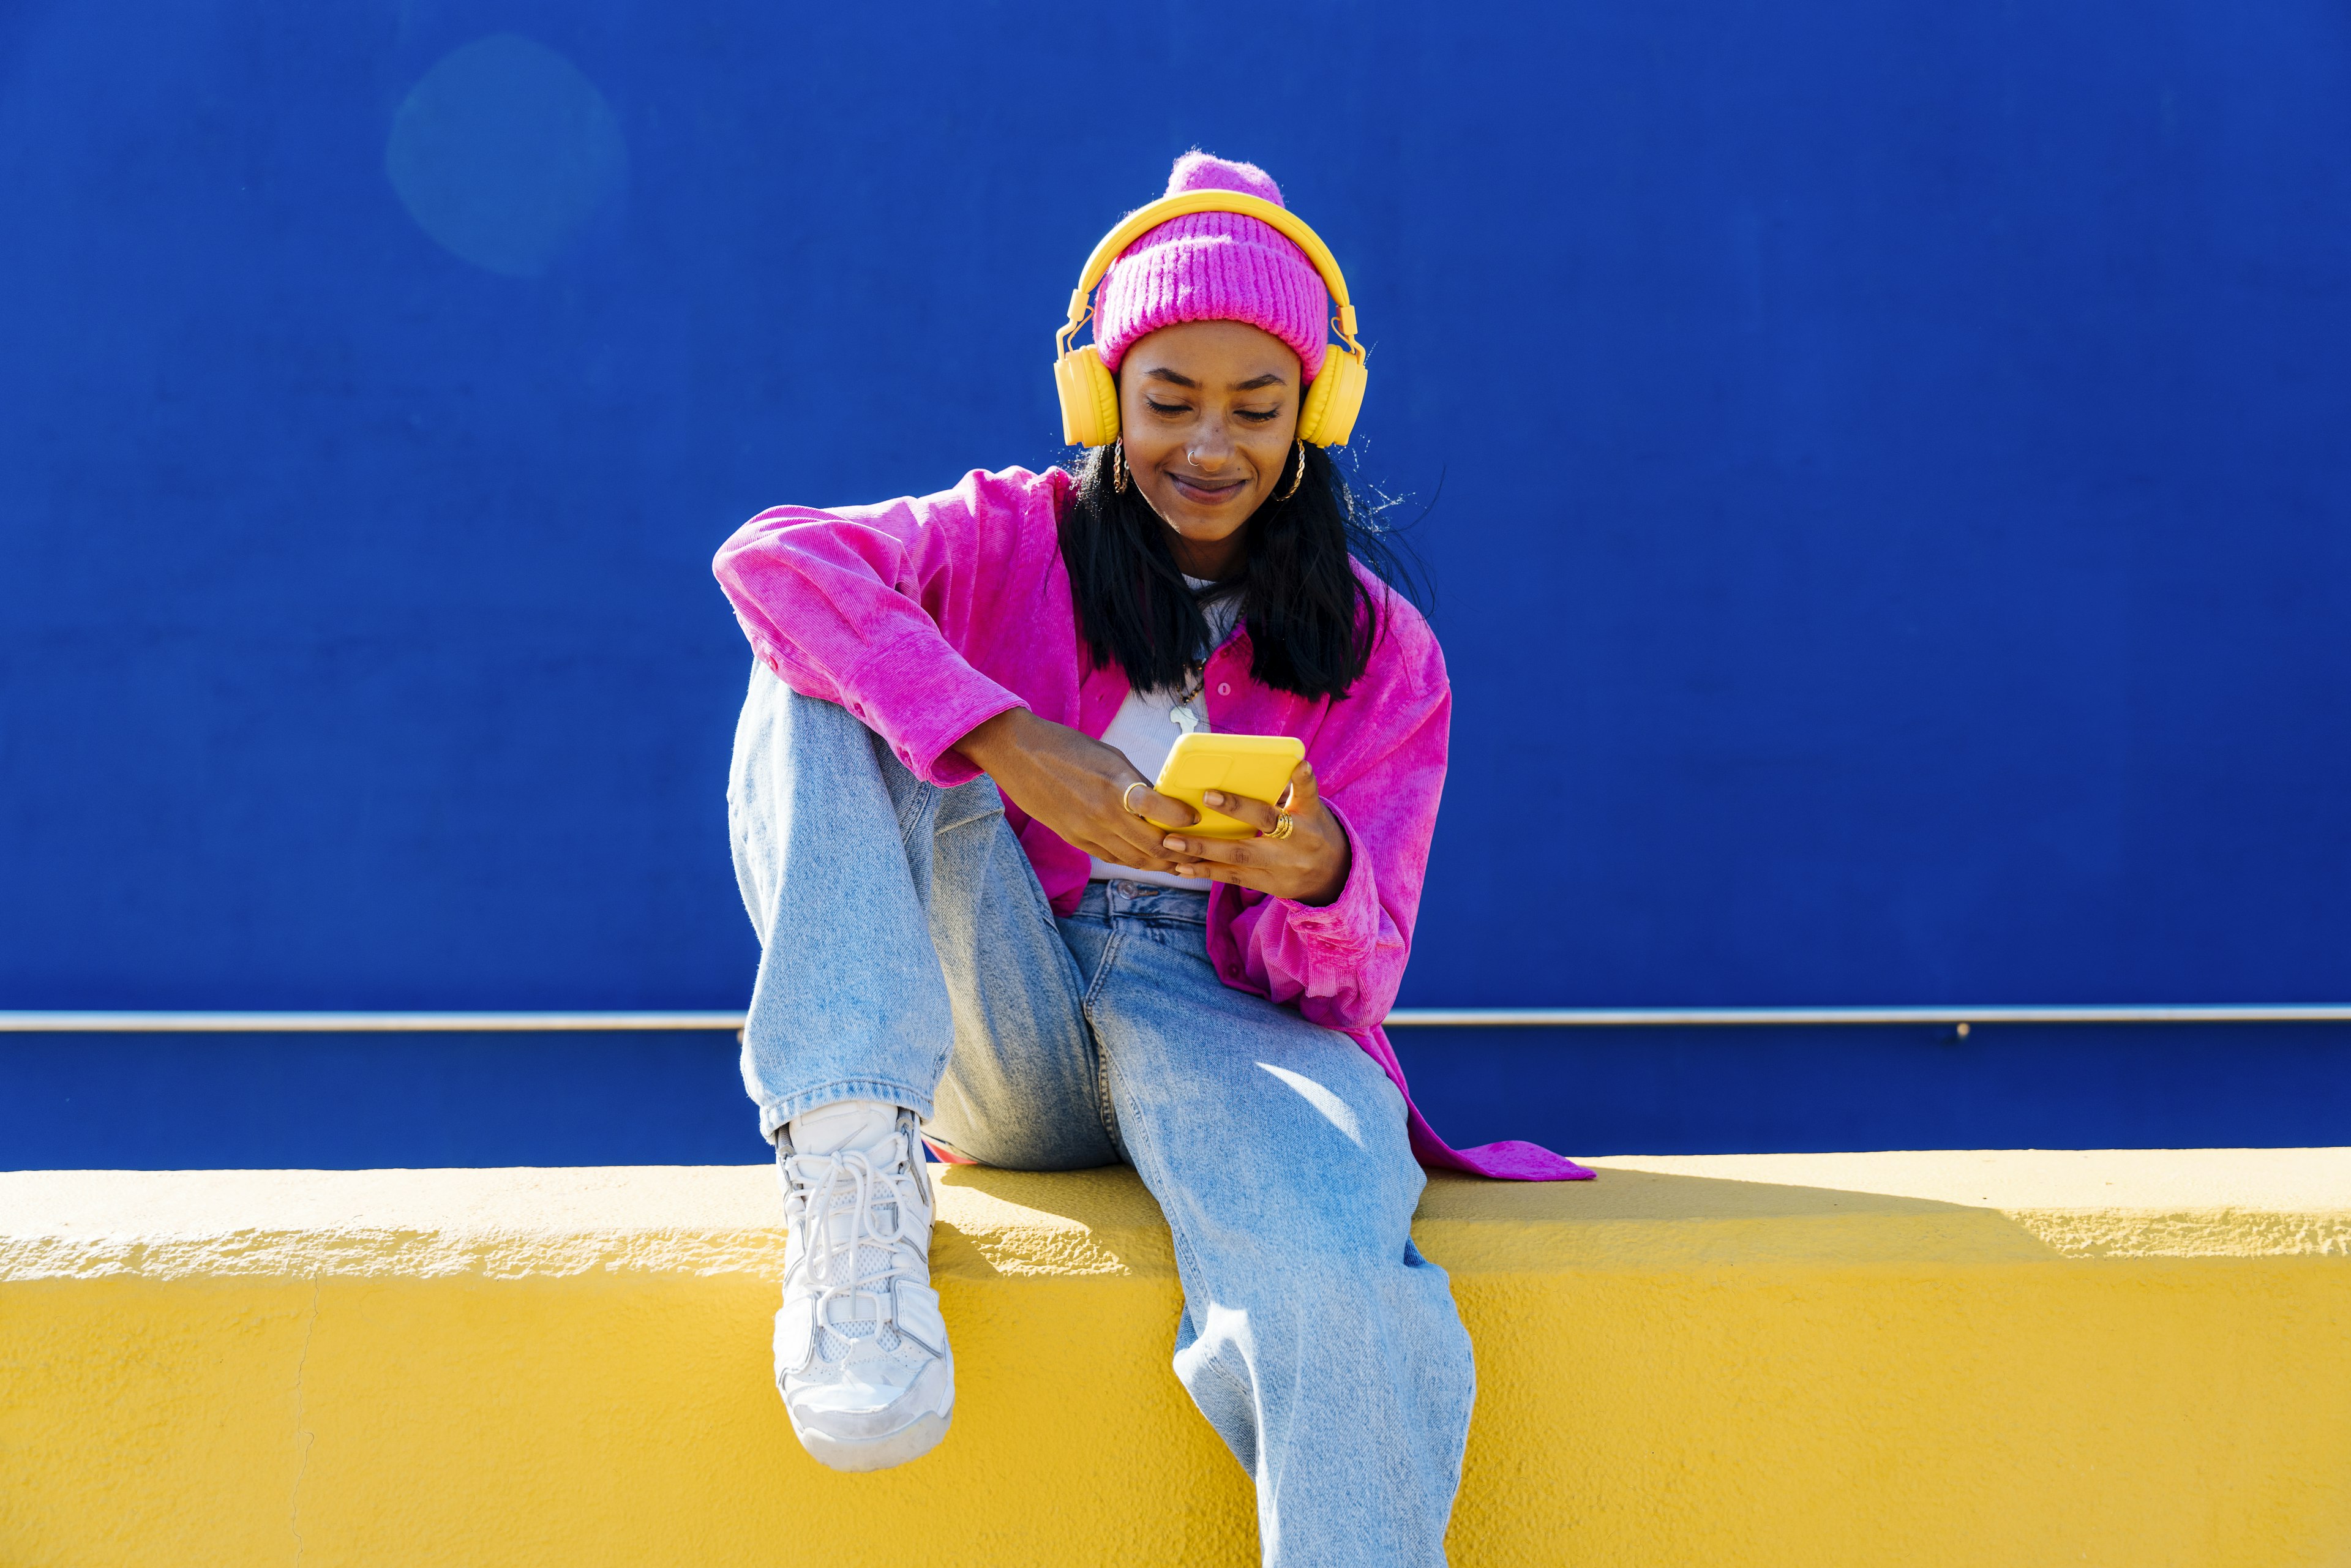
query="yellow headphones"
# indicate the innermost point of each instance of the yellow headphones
(1090, 396)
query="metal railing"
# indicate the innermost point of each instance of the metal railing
(1963, 1017)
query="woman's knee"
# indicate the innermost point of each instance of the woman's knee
(786, 742)
(778, 728)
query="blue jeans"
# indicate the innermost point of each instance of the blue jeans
(910, 956)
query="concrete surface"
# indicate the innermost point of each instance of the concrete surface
(2015, 1357)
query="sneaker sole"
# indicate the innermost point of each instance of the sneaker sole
(908, 1442)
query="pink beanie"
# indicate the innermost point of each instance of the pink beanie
(1214, 266)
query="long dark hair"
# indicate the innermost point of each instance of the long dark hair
(1312, 622)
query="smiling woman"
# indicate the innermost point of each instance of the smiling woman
(1209, 410)
(1209, 479)
(984, 929)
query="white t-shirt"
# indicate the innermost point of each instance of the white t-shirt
(1143, 731)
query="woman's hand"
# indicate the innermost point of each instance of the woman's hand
(1076, 786)
(1309, 865)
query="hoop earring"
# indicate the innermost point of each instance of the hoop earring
(1302, 475)
(1118, 466)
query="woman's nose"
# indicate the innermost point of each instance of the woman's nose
(1212, 450)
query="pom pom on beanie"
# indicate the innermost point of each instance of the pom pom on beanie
(1198, 170)
(1214, 266)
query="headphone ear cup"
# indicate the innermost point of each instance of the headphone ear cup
(1089, 398)
(1333, 401)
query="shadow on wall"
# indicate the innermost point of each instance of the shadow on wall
(1106, 1223)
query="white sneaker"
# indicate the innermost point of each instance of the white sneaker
(861, 1355)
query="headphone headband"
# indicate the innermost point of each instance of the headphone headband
(1089, 393)
(1142, 219)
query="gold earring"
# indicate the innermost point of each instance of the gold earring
(1302, 473)
(1118, 466)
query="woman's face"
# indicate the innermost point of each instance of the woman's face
(1208, 410)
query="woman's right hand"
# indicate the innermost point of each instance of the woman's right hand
(1078, 787)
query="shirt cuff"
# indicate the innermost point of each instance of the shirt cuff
(921, 697)
(1350, 922)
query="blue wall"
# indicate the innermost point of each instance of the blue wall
(1892, 524)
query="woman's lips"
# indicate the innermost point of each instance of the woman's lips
(1207, 493)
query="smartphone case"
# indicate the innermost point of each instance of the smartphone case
(1254, 767)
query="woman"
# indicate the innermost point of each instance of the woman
(984, 929)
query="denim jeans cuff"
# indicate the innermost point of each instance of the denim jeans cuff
(774, 1113)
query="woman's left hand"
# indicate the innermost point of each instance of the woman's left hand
(1308, 865)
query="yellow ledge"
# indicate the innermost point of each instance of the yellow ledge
(1996, 1358)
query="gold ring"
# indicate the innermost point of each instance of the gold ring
(1127, 800)
(1284, 824)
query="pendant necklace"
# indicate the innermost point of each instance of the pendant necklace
(1183, 716)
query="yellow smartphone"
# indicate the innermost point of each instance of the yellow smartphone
(1254, 767)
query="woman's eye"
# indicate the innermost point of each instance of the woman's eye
(1257, 416)
(1155, 406)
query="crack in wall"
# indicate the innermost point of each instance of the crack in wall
(303, 1436)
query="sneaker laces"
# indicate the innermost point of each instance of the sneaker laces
(857, 1261)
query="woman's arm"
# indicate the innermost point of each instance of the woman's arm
(870, 607)
(875, 608)
(1078, 787)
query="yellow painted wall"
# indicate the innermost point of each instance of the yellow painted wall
(1847, 1365)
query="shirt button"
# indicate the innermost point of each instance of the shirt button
(1224, 688)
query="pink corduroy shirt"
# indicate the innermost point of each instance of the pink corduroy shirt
(926, 617)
